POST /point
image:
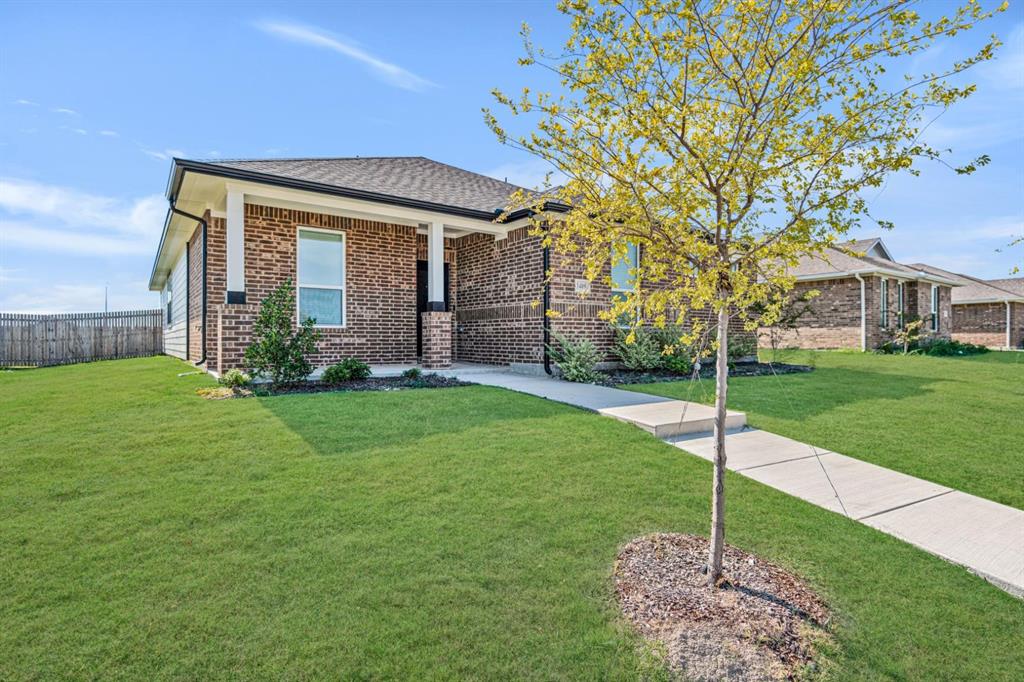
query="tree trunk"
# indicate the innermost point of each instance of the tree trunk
(718, 493)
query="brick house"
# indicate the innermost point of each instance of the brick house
(986, 312)
(863, 296)
(399, 259)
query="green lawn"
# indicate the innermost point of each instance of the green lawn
(956, 421)
(146, 533)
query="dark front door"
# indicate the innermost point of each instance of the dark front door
(421, 299)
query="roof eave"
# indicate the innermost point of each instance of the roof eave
(333, 190)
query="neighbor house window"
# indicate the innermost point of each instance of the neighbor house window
(884, 321)
(899, 304)
(624, 281)
(321, 277)
(935, 308)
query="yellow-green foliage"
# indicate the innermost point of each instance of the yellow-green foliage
(729, 138)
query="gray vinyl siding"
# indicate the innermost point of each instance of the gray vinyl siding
(174, 332)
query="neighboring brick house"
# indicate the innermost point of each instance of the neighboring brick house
(986, 312)
(863, 296)
(400, 259)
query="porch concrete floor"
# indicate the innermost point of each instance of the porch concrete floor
(985, 537)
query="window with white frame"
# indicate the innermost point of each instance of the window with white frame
(900, 293)
(935, 308)
(623, 277)
(883, 320)
(321, 277)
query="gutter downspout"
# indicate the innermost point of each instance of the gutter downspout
(1007, 302)
(863, 314)
(202, 223)
(546, 304)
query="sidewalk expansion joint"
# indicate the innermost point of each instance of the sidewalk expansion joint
(904, 506)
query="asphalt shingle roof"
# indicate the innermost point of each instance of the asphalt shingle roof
(407, 177)
(972, 289)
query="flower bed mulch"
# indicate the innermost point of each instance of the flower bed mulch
(762, 623)
(707, 371)
(369, 384)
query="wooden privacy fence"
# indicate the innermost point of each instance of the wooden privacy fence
(41, 340)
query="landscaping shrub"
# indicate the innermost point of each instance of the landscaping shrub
(937, 347)
(278, 350)
(349, 369)
(679, 362)
(412, 373)
(644, 353)
(235, 378)
(948, 347)
(577, 360)
(676, 357)
(741, 347)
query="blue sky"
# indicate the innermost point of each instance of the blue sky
(96, 98)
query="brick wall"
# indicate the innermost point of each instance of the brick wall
(833, 320)
(437, 339)
(380, 281)
(985, 324)
(499, 281)
(195, 294)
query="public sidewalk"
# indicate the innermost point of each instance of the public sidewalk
(985, 537)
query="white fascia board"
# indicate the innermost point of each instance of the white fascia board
(878, 272)
(176, 235)
(357, 208)
(993, 299)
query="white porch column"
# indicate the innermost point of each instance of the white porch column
(235, 246)
(435, 266)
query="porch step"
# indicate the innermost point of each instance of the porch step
(673, 417)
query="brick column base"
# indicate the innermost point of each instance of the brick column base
(437, 340)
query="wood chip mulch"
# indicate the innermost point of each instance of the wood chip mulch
(763, 623)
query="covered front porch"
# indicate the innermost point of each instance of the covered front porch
(394, 281)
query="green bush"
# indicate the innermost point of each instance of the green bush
(577, 360)
(278, 350)
(412, 373)
(235, 378)
(937, 347)
(676, 357)
(741, 347)
(349, 369)
(948, 347)
(643, 354)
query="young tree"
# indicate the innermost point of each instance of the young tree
(727, 138)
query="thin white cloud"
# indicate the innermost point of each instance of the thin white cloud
(386, 71)
(163, 155)
(44, 217)
(9, 275)
(64, 110)
(109, 133)
(26, 102)
(75, 297)
(1006, 71)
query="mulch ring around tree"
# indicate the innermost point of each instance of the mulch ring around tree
(369, 384)
(763, 623)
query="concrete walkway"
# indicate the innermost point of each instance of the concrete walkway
(985, 537)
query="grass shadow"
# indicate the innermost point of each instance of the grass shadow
(346, 422)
